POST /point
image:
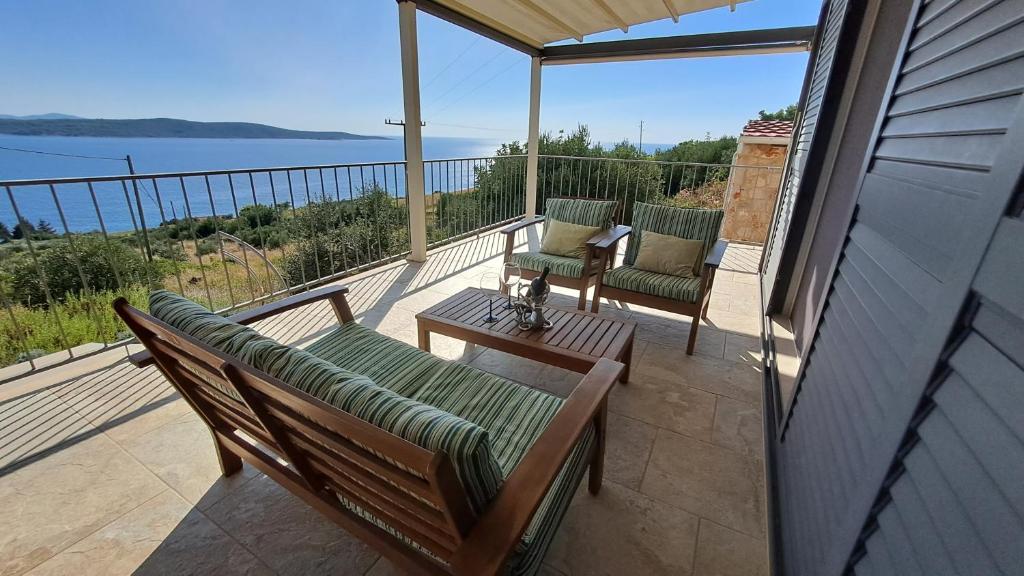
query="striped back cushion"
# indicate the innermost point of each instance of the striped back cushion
(583, 212)
(692, 224)
(467, 444)
(197, 321)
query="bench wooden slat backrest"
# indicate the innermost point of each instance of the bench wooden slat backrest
(328, 453)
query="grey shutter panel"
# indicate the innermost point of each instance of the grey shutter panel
(904, 449)
(825, 52)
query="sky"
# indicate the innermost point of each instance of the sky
(335, 65)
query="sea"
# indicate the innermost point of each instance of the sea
(20, 158)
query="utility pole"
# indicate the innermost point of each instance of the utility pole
(641, 145)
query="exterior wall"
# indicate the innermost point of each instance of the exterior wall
(751, 193)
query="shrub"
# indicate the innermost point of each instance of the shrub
(104, 265)
(258, 215)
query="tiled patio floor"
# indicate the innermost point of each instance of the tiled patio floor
(109, 472)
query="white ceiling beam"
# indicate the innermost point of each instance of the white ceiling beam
(671, 10)
(613, 15)
(462, 9)
(557, 22)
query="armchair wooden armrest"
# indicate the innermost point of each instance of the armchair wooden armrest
(335, 294)
(494, 536)
(607, 238)
(716, 253)
(524, 223)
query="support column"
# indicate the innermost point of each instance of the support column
(533, 138)
(414, 195)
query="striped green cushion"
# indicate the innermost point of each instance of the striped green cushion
(515, 415)
(560, 265)
(465, 443)
(599, 213)
(197, 321)
(653, 283)
(692, 224)
(394, 365)
(319, 378)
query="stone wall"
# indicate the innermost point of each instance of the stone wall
(751, 192)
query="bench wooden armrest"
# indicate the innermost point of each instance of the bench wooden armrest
(606, 238)
(524, 223)
(716, 253)
(336, 295)
(496, 533)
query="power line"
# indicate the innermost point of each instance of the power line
(450, 64)
(477, 87)
(466, 77)
(61, 154)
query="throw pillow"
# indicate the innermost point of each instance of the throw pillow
(567, 239)
(666, 254)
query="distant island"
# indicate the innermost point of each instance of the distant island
(63, 125)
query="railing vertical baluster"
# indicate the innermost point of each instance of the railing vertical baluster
(590, 164)
(170, 244)
(143, 242)
(341, 220)
(18, 331)
(86, 288)
(51, 303)
(352, 210)
(326, 206)
(245, 255)
(220, 240)
(106, 237)
(195, 241)
(312, 223)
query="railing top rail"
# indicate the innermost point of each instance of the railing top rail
(427, 160)
(190, 174)
(609, 159)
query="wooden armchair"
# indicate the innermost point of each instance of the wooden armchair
(687, 296)
(580, 273)
(341, 464)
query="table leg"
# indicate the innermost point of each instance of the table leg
(627, 359)
(423, 337)
(596, 474)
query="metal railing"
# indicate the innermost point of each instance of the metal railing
(236, 238)
(683, 184)
(468, 195)
(225, 238)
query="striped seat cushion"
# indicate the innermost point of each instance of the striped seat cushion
(394, 365)
(653, 283)
(197, 321)
(692, 224)
(466, 443)
(560, 265)
(515, 415)
(600, 213)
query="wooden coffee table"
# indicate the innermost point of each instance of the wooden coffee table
(575, 341)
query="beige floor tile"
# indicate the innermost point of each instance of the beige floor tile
(708, 480)
(738, 426)
(667, 403)
(725, 552)
(710, 342)
(629, 447)
(165, 535)
(620, 531)
(721, 377)
(182, 454)
(37, 424)
(62, 498)
(746, 349)
(287, 534)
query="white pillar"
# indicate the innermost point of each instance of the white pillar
(533, 138)
(413, 133)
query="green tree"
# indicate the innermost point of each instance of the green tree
(5, 232)
(787, 113)
(105, 265)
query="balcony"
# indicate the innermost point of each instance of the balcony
(104, 468)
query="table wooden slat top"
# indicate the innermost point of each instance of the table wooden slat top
(576, 339)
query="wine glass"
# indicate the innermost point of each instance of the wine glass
(510, 277)
(488, 280)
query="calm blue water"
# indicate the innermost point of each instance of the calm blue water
(152, 155)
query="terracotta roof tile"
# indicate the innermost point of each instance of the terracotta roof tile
(768, 128)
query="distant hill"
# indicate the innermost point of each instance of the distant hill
(49, 116)
(159, 128)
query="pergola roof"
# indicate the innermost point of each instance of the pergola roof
(539, 22)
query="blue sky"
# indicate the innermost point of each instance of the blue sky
(334, 65)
